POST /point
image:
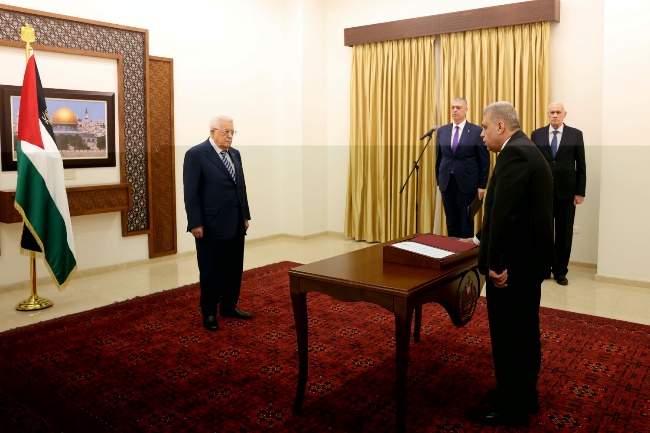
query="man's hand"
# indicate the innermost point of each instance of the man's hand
(197, 232)
(499, 280)
(578, 199)
(246, 224)
(481, 193)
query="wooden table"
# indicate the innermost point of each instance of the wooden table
(362, 275)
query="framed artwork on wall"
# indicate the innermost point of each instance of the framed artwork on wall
(83, 123)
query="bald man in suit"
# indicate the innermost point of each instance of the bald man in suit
(564, 150)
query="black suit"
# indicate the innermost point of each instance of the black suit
(569, 179)
(517, 235)
(219, 204)
(471, 165)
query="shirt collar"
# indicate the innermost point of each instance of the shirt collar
(505, 142)
(461, 125)
(560, 129)
(214, 146)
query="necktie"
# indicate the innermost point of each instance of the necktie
(554, 143)
(227, 163)
(454, 143)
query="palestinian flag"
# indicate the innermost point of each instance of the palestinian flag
(40, 191)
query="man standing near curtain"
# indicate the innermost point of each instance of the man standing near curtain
(564, 150)
(515, 254)
(462, 167)
(217, 216)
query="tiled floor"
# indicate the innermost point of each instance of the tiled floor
(89, 290)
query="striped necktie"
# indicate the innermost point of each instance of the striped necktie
(227, 163)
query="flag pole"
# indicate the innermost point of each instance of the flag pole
(34, 302)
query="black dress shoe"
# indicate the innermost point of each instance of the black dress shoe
(210, 323)
(562, 281)
(531, 407)
(494, 417)
(236, 313)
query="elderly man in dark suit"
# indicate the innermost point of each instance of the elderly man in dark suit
(462, 167)
(217, 216)
(515, 254)
(564, 150)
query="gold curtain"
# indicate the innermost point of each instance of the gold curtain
(498, 64)
(393, 100)
(391, 104)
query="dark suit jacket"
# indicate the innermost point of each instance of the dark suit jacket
(517, 231)
(471, 161)
(568, 167)
(212, 198)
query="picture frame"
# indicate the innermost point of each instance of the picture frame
(83, 123)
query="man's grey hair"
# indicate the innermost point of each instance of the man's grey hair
(216, 120)
(463, 100)
(503, 111)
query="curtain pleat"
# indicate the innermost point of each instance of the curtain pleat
(392, 84)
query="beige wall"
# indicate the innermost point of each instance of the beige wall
(281, 70)
(624, 238)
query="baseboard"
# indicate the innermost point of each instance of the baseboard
(42, 281)
(583, 265)
(81, 273)
(622, 281)
(297, 237)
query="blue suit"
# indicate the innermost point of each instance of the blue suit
(471, 165)
(219, 204)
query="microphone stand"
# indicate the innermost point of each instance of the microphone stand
(416, 168)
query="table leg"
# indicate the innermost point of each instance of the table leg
(299, 303)
(403, 318)
(418, 323)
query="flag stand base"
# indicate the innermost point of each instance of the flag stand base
(34, 303)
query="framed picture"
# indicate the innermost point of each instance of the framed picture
(83, 124)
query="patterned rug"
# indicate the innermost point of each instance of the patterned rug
(147, 365)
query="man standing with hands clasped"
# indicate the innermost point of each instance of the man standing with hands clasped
(462, 167)
(217, 216)
(564, 150)
(515, 253)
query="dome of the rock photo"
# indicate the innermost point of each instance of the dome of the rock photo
(64, 116)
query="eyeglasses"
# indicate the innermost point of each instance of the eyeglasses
(226, 131)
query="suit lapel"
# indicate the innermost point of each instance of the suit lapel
(215, 158)
(546, 149)
(463, 137)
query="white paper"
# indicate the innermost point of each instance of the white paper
(424, 250)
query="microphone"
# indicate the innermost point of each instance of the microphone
(428, 133)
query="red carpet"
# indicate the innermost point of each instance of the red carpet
(147, 365)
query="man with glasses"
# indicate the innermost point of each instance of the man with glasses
(217, 216)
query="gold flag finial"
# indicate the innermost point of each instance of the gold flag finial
(28, 36)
